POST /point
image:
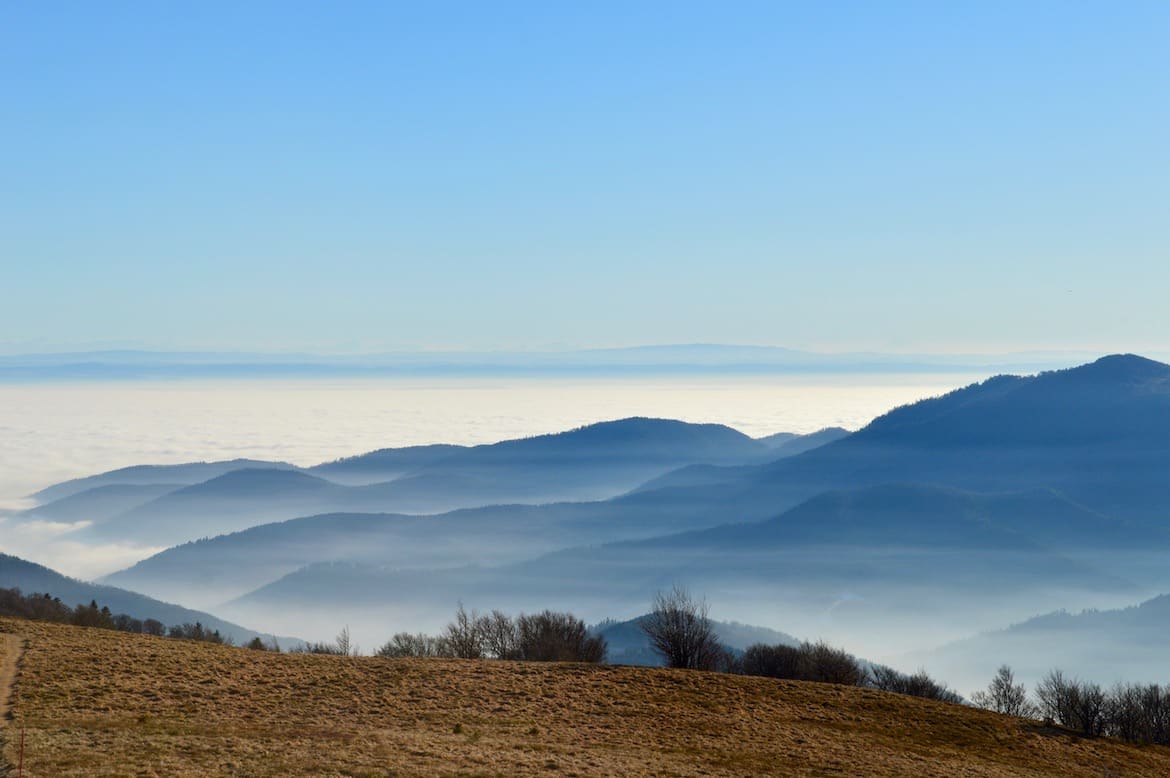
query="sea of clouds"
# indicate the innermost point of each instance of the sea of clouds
(55, 431)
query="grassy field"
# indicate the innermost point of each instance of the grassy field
(95, 702)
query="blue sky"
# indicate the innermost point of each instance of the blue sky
(346, 177)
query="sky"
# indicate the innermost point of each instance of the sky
(353, 177)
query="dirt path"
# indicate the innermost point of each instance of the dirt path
(13, 648)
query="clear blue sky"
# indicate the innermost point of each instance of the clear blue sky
(901, 176)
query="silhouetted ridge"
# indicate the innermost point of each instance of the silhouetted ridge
(252, 480)
(1116, 369)
(641, 442)
(186, 474)
(1122, 398)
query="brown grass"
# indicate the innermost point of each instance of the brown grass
(96, 702)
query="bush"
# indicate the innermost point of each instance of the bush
(405, 644)
(556, 637)
(806, 662)
(543, 637)
(918, 685)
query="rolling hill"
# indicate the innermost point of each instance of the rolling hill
(145, 475)
(97, 702)
(593, 462)
(847, 561)
(1095, 433)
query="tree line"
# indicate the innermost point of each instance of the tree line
(548, 636)
(45, 607)
(681, 632)
(1139, 713)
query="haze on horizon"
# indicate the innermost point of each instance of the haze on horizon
(906, 177)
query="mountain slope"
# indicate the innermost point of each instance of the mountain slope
(849, 561)
(383, 465)
(212, 570)
(1119, 644)
(100, 502)
(237, 498)
(1097, 433)
(143, 475)
(29, 577)
(593, 462)
(798, 444)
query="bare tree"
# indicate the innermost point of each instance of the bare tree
(1075, 704)
(681, 632)
(463, 638)
(344, 643)
(500, 635)
(1004, 695)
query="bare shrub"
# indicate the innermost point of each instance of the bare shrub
(405, 644)
(556, 637)
(917, 685)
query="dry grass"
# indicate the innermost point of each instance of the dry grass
(103, 703)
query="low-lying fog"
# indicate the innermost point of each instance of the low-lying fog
(55, 431)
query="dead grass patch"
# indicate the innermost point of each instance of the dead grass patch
(104, 703)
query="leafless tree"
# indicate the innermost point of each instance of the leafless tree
(681, 632)
(499, 635)
(1072, 703)
(463, 637)
(345, 645)
(1004, 695)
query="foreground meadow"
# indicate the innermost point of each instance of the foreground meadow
(95, 702)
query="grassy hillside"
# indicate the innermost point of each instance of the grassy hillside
(102, 703)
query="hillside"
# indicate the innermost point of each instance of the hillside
(383, 464)
(30, 578)
(787, 444)
(147, 475)
(1095, 433)
(93, 702)
(967, 561)
(594, 462)
(1116, 644)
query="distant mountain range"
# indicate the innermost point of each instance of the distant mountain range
(590, 463)
(669, 359)
(1010, 497)
(1104, 645)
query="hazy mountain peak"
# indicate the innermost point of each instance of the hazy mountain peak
(1118, 369)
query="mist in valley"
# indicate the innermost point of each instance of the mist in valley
(915, 541)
